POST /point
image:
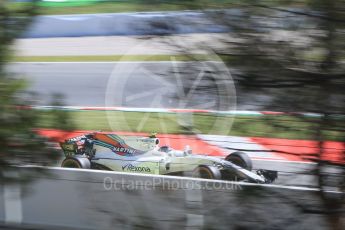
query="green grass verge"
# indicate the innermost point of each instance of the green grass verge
(143, 58)
(116, 6)
(259, 126)
(102, 58)
(122, 6)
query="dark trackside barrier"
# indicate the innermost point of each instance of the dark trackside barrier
(87, 199)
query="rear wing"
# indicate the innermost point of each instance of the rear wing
(75, 145)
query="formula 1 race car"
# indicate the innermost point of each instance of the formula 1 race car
(105, 151)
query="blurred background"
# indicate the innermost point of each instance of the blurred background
(264, 77)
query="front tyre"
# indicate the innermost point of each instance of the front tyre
(76, 162)
(240, 159)
(207, 172)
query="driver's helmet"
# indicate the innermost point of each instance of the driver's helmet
(153, 135)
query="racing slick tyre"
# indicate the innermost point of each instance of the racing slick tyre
(76, 162)
(240, 159)
(207, 172)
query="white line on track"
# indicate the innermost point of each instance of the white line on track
(300, 188)
(284, 161)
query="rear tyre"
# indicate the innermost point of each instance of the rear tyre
(207, 172)
(240, 159)
(76, 162)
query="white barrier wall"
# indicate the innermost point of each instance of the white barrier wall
(107, 200)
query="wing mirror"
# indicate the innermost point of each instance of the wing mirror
(187, 150)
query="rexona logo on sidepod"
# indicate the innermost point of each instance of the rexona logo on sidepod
(133, 168)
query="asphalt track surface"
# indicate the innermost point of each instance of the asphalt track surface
(136, 23)
(139, 84)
